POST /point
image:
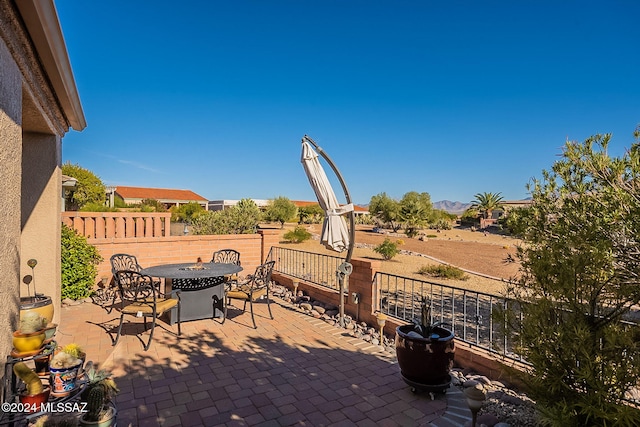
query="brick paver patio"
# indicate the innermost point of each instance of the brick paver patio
(294, 370)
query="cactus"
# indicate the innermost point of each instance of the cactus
(424, 327)
(95, 403)
(100, 390)
(32, 322)
(30, 378)
(74, 350)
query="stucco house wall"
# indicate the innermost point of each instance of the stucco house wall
(39, 103)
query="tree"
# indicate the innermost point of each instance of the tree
(415, 211)
(280, 210)
(152, 205)
(89, 189)
(312, 214)
(242, 218)
(186, 212)
(386, 210)
(580, 279)
(487, 203)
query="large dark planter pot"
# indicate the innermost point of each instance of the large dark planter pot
(425, 363)
(41, 304)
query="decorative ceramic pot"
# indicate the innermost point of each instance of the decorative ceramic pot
(50, 331)
(63, 380)
(28, 342)
(425, 363)
(41, 304)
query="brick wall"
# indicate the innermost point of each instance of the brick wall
(152, 251)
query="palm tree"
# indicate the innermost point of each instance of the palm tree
(487, 203)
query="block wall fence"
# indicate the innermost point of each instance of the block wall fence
(143, 235)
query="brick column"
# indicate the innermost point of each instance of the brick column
(361, 282)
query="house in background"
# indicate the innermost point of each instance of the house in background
(218, 205)
(168, 197)
(357, 210)
(39, 103)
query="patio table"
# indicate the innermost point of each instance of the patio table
(201, 291)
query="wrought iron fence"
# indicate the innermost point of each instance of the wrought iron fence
(314, 268)
(475, 317)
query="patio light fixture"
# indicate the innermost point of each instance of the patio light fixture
(382, 320)
(475, 398)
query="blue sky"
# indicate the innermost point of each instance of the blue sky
(451, 98)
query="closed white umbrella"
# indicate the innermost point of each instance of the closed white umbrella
(335, 235)
(334, 229)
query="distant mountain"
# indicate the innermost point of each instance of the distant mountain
(451, 207)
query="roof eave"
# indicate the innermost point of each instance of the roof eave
(41, 19)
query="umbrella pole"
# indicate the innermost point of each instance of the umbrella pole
(343, 273)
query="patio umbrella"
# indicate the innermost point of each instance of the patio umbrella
(335, 235)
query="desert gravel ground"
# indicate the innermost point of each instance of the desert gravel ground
(487, 254)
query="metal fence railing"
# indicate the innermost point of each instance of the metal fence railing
(314, 268)
(474, 317)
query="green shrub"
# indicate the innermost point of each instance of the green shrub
(443, 271)
(432, 236)
(297, 235)
(441, 224)
(387, 249)
(79, 265)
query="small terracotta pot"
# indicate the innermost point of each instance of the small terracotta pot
(35, 401)
(42, 364)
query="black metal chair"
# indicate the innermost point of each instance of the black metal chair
(140, 298)
(228, 256)
(118, 262)
(253, 289)
(122, 262)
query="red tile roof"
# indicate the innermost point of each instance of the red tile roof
(158, 194)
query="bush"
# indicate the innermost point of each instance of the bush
(97, 207)
(441, 224)
(239, 219)
(297, 235)
(388, 249)
(79, 265)
(443, 271)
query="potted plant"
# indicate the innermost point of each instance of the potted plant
(28, 339)
(99, 394)
(425, 352)
(38, 303)
(35, 394)
(63, 368)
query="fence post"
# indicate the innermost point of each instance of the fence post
(270, 237)
(361, 283)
